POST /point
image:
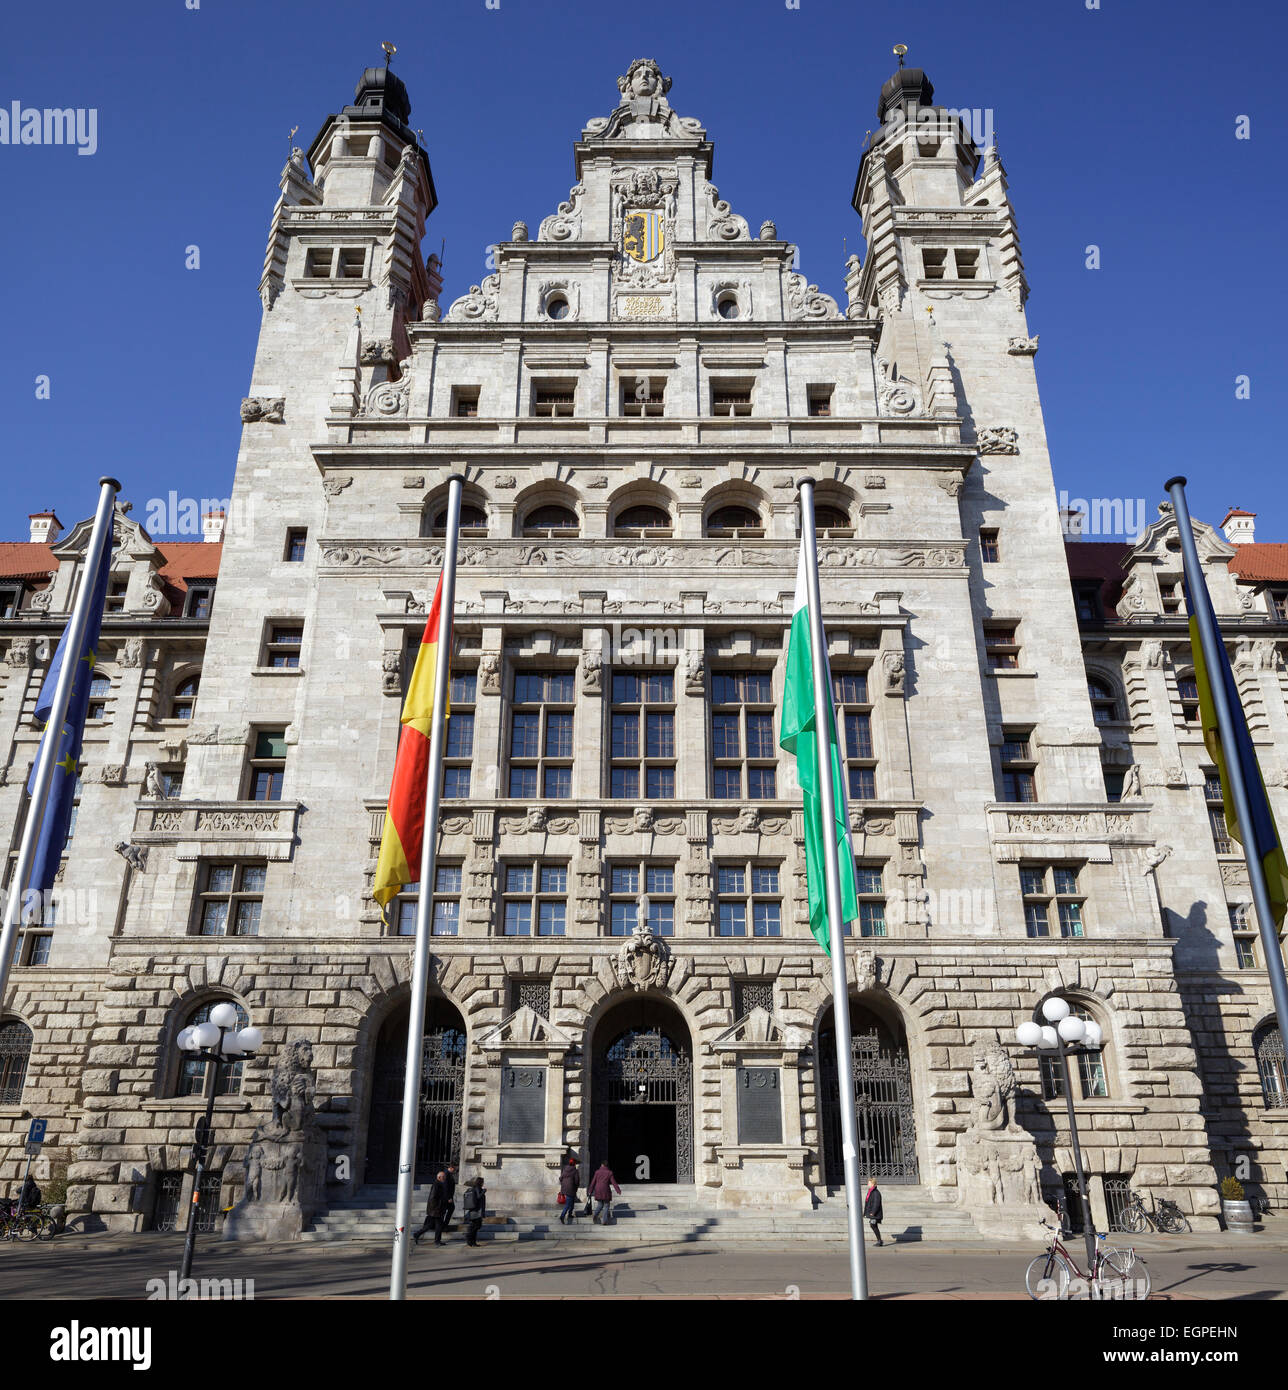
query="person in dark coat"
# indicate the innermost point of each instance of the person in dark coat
(29, 1194)
(569, 1182)
(449, 1204)
(435, 1206)
(473, 1209)
(602, 1186)
(872, 1209)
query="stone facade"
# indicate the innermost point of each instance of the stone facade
(645, 351)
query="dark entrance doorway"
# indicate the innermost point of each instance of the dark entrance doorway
(642, 1095)
(887, 1133)
(442, 1089)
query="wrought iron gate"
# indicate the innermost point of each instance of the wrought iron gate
(883, 1103)
(644, 1067)
(442, 1089)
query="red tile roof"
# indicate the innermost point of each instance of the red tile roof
(1261, 561)
(25, 559)
(184, 560)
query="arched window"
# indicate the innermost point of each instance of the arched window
(1268, 1043)
(1090, 1066)
(15, 1053)
(831, 521)
(185, 697)
(195, 1074)
(734, 522)
(550, 522)
(473, 521)
(640, 522)
(100, 687)
(1104, 700)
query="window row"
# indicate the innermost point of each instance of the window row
(640, 397)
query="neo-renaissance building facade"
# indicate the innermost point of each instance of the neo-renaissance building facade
(621, 954)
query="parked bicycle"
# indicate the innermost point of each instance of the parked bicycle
(34, 1223)
(1161, 1216)
(1115, 1274)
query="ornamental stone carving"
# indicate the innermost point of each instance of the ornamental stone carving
(131, 654)
(645, 960)
(1132, 789)
(723, 224)
(896, 395)
(391, 672)
(805, 301)
(388, 399)
(136, 856)
(1022, 347)
(695, 672)
(490, 673)
(643, 110)
(866, 970)
(380, 352)
(892, 663)
(768, 231)
(336, 484)
(268, 410)
(998, 439)
(592, 673)
(18, 653)
(565, 223)
(1046, 823)
(479, 304)
(519, 232)
(153, 786)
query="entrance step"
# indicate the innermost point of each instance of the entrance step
(662, 1212)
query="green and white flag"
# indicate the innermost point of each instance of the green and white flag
(796, 735)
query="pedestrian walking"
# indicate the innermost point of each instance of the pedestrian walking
(872, 1209)
(435, 1205)
(473, 1209)
(449, 1195)
(569, 1156)
(569, 1182)
(601, 1189)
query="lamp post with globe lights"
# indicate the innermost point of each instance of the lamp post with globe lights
(1064, 1035)
(215, 1041)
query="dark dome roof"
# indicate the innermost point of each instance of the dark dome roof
(907, 84)
(381, 88)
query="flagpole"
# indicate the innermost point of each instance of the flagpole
(46, 758)
(832, 880)
(428, 854)
(1210, 639)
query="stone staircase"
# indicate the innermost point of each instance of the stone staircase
(661, 1212)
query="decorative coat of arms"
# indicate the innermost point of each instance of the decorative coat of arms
(643, 236)
(644, 207)
(644, 960)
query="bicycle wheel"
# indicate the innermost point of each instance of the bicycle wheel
(1047, 1277)
(1123, 1277)
(46, 1229)
(27, 1227)
(1174, 1224)
(1135, 1220)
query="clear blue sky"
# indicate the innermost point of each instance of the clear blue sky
(1116, 126)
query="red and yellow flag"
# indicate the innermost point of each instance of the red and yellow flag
(400, 845)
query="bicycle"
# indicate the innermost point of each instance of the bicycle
(1115, 1274)
(35, 1223)
(1163, 1216)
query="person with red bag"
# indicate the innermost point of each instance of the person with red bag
(569, 1182)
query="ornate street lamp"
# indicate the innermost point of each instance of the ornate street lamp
(217, 1040)
(1065, 1035)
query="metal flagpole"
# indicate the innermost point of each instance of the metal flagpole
(47, 756)
(832, 878)
(428, 853)
(1210, 638)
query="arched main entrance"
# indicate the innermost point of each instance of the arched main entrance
(442, 1090)
(887, 1131)
(642, 1093)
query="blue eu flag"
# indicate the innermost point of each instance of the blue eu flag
(62, 790)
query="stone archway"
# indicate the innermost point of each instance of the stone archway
(442, 1092)
(887, 1130)
(641, 1113)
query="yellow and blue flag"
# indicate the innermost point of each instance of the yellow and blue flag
(1267, 847)
(62, 790)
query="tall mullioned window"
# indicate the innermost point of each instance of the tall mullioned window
(1052, 901)
(643, 735)
(266, 766)
(541, 744)
(872, 903)
(1216, 811)
(850, 692)
(445, 912)
(534, 899)
(628, 884)
(748, 901)
(458, 754)
(231, 899)
(742, 736)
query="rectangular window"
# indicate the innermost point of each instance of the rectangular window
(871, 894)
(967, 263)
(10, 599)
(1087, 601)
(1001, 646)
(990, 546)
(933, 262)
(115, 601)
(633, 885)
(1051, 898)
(1279, 604)
(1245, 937)
(317, 262)
(353, 262)
(534, 899)
(296, 540)
(465, 402)
(747, 900)
(541, 735)
(230, 899)
(553, 398)
(1188, 690)
(445, 911)
(267, 766)
(1091, 1070)
(458, 749)
(642, 751)
(200, 600)
(1169, 590)
(819, 400)
(850, 694)
(1018, 765)
(1216, 811)
(730, 397)
(282, 646)
(643, 396)
(742, 736)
